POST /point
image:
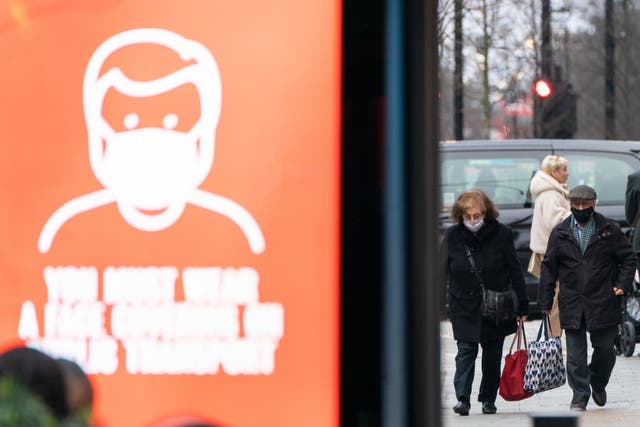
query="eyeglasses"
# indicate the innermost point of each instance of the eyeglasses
(475, 217)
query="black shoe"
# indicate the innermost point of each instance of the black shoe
(599, 397)
(578, 406)
(489, 408)
(462, 407)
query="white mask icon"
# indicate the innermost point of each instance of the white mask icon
(149, 185)
(152, 172)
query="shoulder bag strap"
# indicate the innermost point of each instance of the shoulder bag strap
(473, 266)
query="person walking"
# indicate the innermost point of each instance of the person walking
(490, 243)
(595, 264)
(632, 210)
(550, 192)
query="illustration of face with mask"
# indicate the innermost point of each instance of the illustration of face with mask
(150, 171)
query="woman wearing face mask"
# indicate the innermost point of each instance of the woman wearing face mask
(550, 191)
(475, 226)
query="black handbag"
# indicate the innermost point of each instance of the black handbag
(494, 305)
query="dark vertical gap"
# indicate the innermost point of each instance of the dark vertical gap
(362, 177)
(423, 172)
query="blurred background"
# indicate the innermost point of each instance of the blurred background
(492, 52)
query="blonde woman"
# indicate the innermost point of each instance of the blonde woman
(551, 195)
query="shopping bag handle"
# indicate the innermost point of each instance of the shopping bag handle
(548, 319)
(543, 327)
(520, 335)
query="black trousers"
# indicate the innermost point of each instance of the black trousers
(582, 375)
(465, 368)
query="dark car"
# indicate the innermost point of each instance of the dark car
(504, 168)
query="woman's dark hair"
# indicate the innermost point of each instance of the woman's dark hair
(469, 198)
(39, 373)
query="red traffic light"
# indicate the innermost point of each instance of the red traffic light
(542, 88)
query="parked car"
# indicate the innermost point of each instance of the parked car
(504, 168)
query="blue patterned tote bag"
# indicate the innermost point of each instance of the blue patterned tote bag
(545, 367)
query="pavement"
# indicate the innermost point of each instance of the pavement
(622, 408)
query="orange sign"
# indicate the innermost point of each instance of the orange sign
(170, 181)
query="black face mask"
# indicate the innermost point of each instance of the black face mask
(582, 215)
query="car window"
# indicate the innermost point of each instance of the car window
(605, 172)
(503, 175)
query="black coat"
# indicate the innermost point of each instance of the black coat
(495, 256)
(632, 207)
(587, 281)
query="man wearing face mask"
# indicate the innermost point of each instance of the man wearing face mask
(595, 263)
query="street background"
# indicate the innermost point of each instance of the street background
(622, 409)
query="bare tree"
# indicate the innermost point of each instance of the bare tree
(486, 14)
(504, 58)
(458, 91)
(487, 76)
(501, 56)
(589, 60)
(610, 72)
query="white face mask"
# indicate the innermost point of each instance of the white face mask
(474, 226)
(150, 168)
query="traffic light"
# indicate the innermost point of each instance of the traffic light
(542, 88)
(554, 109)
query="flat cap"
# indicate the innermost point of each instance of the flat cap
(582, 192)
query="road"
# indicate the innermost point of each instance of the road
(622, 409)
